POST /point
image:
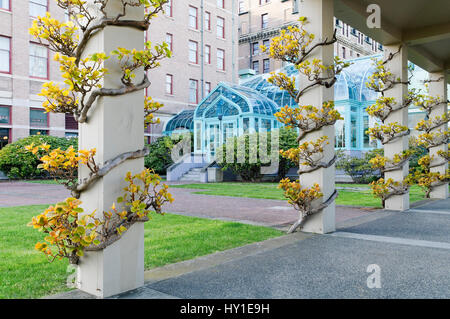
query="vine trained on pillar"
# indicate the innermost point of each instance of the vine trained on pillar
(434, 134)
(295, 45)
(69, 230)
(381, 81)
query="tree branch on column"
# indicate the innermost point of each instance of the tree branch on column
(69, 230)
(434, 134)
(295, 45)
(381, 81)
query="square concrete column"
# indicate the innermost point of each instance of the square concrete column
(115, 126)
(320, 14)
(438, 88)
(399, 67)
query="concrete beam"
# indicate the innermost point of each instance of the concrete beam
(427, 34)
(425, 59)
(355, 14)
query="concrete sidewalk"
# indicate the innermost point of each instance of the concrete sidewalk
(412, 250)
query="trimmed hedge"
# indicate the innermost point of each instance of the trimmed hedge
(18, 163)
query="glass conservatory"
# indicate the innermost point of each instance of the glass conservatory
(232, 110)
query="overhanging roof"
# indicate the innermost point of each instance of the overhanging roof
(423, 26)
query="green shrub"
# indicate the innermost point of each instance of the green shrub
(160, 153)
(251, 172)
(359, 168)
(18, 163)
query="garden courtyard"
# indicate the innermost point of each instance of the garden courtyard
(214, 236)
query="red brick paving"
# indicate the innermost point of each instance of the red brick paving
(252, 210)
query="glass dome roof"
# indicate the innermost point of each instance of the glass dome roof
(229, 99)
(350, 84)
(181, 121)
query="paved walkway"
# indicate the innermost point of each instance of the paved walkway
(265, 212)
(412, 250)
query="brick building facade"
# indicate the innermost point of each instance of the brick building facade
(200, 33)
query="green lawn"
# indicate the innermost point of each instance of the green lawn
(26, 273)
(270, 191)
(42, 181)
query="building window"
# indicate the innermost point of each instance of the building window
(169, 84)
(266, 65)
(241, 6)
(5, 137)
(168, 9)
(193, 52)
(221, 4)
(4, 4)
(38, 118)
(208, 20)
(38, 8)
(193, 91)
(246, 124)
(221, 27)
(71, 123)
(266, 43)
(340, 134)
(255, 66)
(221, 59)
(5, 115)
(343, 53)
(295, 6)
(207, 54)
(255, 48)
(169, 41)
(193, 17)
(264, 20)
(207, 88)
(353, 131)
(38, 132)
(366, 137)
(5, 54)
(38, 61)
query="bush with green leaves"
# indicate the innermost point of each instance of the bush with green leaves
(18, 163)
(251, 172)
(359, 168)
(159, 157)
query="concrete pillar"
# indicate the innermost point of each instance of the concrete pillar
(320, 14)
(115, 126)
(439, 89)
(399, 67)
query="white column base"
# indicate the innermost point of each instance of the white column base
(323, 222)
(440, 192)
(398, 202)
(116, 269)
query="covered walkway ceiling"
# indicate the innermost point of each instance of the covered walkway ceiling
(423, 25)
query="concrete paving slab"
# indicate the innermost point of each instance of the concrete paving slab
(321, 267)
(436, 204)
(409, 225)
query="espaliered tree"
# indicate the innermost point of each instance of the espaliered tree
(381, 81)
(434, 134)
(295, 45)
(69, 230)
